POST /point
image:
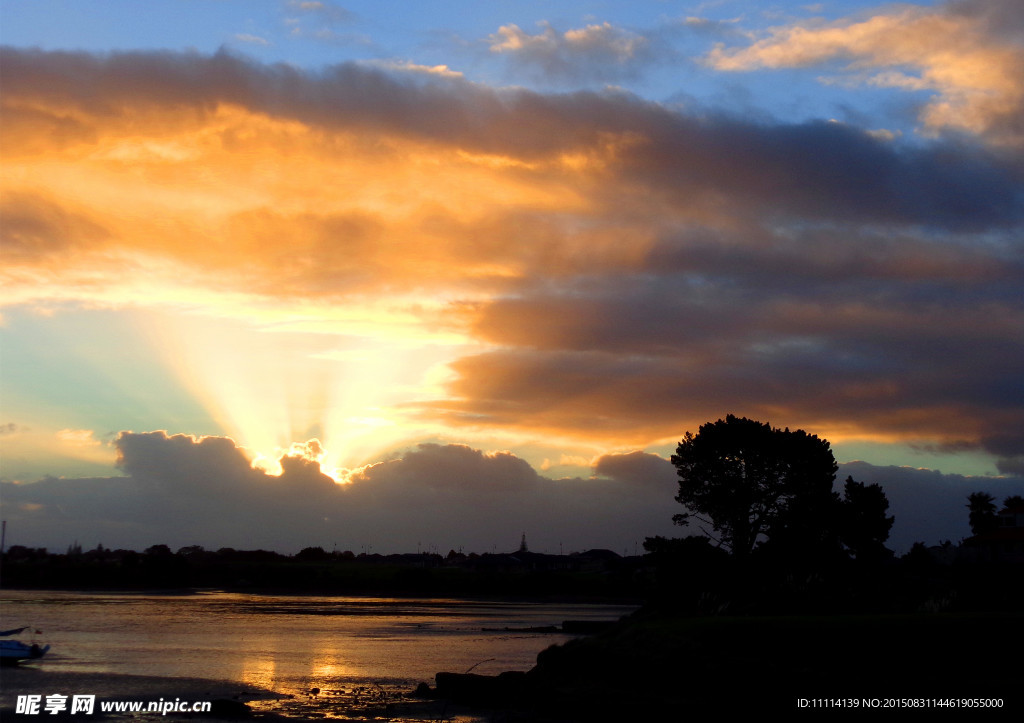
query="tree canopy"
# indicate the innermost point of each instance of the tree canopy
(757, 486)
(981, 512)
(864, 526)
(1013, 501)
(751, 482)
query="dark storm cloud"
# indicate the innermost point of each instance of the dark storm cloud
(896, 331)
(183, 491)
(1002, 18)
(452, 470)
(180, 490)
(897, 336)
(214, 468)
(637, 468)
(820, 383)
(830, 171)
(1012, 466)
(180, 463)
(929, 506)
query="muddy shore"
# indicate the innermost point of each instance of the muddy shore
(229, 700)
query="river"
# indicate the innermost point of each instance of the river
(287, 644)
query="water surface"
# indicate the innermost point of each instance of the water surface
(287, 644)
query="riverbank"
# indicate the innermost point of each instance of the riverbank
(646, 668)
(654, 666)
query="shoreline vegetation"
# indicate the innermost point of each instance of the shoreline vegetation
(595, 575)
(688, 572)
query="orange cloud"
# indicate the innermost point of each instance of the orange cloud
(953, 51)
(356, 254)
(230, 199)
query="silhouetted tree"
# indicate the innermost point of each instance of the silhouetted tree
(918, 555)
(749, 482)
(864, 527)
(686, 548)
(1013, 501)
(312, 554)
(982, 512)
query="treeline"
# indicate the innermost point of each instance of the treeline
(596, 574)
(689, 575)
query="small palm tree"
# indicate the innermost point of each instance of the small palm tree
(982, 512)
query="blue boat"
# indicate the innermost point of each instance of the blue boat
(13, 652)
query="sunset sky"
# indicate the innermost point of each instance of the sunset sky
(380, 275)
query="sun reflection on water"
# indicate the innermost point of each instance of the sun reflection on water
(329, 665)
(259, 672)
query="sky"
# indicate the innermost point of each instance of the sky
(431, 275)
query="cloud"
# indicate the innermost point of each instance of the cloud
(637, 468)
(821, 169)
(408, 66)
(78, 437)
(595, 266)
(595, 52)
(184, 465)
(320, 21)
(12, 428)
(1012, 465)
(451, 469)
(251, 39)
(928, 506)
(829, 334)
(327, 12)
(966, 55)
(182, 490)
(35, 227)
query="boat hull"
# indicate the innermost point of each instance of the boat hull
(13, 652)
